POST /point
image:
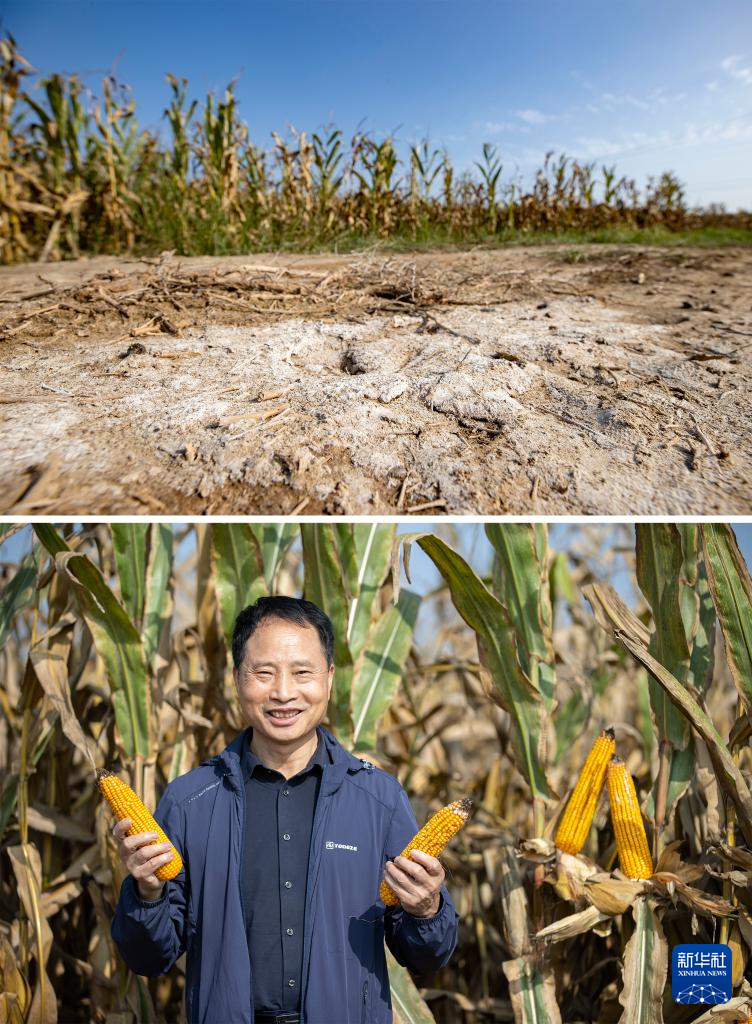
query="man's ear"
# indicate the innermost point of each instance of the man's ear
(331, 679)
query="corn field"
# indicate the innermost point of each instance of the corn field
(77, 175)
(114, 648)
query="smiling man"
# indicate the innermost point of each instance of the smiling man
(285, 838)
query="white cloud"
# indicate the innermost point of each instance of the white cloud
(534, 116)
(711, 86)
(741, 74)
(608, 102)
(497, 127)
(628, 99)
(584, 82)
(633, 101)
(594, 146)
(589, 146)
(737, 129)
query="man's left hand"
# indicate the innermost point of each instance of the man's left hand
(416, 881)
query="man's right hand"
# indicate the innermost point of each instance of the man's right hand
(142, 857)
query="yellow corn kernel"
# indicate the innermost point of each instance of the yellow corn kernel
(432, 838)
(578, 814)
(126, 804)
(631, 841)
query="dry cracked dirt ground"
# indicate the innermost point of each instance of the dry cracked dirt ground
(552, 380)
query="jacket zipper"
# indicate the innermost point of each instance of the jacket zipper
(307, 924)
(364, 1009)
(240, 883)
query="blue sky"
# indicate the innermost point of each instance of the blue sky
(645, 86)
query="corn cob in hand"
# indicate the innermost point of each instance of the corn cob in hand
(126, 804)
(432, 839)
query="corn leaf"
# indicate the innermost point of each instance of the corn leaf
(50, 538)
(239, 577)
(613, 615)
(645, 968)
(119, 645)
(408, 1005)
(574, 924)
(181, 756)
(532, 989)
(27, 867)
(8, 799)
(324, 585)
(378, 671)
(503, 678)
(644, 719)
(515, 909)
(659, 570)
(274, 540)
(49, 656)
(115, 637)
(726, 1013)
(15, 986)
(207, 610)
(157, 584)
(524, 590)
(698, 610)
(129, 545)
(560, 579)
(731, 587)
(344, 536)
(9, 791)
(372, 545)
(661, 577)
(570, 721)
(17, 593)
(8, 529)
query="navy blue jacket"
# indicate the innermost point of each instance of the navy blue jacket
(363, 818)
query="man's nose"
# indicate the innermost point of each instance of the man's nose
(284, 686)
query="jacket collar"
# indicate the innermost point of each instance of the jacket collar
(342, 761)
(249, 761)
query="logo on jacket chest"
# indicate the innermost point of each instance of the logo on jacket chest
(340, 846)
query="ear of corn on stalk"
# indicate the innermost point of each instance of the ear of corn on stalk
(631, 841)
(432, 838)
(126, 804)
(578, 815)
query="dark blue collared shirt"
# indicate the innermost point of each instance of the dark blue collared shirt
(279, 821)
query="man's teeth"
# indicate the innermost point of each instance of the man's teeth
(283, 714)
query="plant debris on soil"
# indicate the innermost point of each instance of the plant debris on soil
(552, 380)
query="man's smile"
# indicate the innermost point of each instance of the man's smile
(283, 715)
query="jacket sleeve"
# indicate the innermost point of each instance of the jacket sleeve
(151, 934)
(422, 944)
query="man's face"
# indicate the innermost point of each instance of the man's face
(283, 682)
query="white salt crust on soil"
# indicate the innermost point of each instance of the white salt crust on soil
(603, 401)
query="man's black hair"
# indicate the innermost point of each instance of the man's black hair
(291, 609)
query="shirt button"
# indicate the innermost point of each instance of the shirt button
(288, 885)
(289, 931)
(291, 982)
(286, 835)
(285, 792)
